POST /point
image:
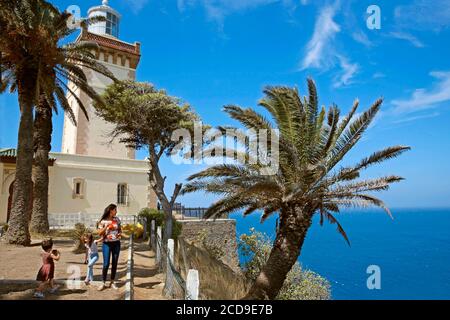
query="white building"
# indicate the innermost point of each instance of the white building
(90, 172)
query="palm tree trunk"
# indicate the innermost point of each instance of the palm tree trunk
(42, 144)
(18, 223)
(286, 249)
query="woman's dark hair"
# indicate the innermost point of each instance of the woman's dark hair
(47, 244)
(108, 209)
(89, 237)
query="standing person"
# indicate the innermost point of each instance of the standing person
(47, 271)
(109, 228)
(91, 256)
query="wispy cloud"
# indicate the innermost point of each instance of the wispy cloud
(348, 71)
(136, 5)
(319, 48)
(361, 37)
(321, 53)
(217, 10)
(424, 15)
(408, 37)
(414, 118)
(426, 98)
(378, 75)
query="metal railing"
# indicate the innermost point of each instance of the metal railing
(69, 220)
(175, 286)
(198, 213)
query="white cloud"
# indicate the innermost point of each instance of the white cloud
(378, 75)
(414, 118)
(320, 52)
(319, 48)
(424, 15)
(408, 37)
(348, 71)
(426, 98)
(217, 10)
(136, 5)
(361, 37)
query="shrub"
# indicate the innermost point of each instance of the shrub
(299, 284)
(158, 216)
(3, 229)
(136, 229)
(78, 236)
(213, 249)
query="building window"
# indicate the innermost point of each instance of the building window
(122, 194)
(78, 188)
(112, 25)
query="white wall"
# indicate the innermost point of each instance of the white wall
(101, 177)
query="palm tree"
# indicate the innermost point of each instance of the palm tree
(34, 65)
(70, 64)
(307, 182)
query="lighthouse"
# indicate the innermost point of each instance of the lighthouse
(91, 137)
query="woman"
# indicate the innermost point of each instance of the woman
(109, 228)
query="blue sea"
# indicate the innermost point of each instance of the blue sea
(412, 252)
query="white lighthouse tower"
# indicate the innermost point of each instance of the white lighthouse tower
(91, 137)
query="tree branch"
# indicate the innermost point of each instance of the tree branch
(176, 191)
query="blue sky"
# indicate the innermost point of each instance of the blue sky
(216, 52)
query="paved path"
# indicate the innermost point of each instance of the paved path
(148, 283)
(19, 266)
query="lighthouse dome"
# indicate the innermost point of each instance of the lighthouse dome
(109, 27)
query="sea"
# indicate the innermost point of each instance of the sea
(409, 254)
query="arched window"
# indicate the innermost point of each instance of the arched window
(122, 194)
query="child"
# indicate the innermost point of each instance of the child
(47, 271)
(91, 256)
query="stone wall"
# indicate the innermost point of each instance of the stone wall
(216, 236)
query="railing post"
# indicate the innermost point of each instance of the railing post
(153, 234)
(169, 273)
(192, 285)
(129, 279)
(144, 222)
(158, 245)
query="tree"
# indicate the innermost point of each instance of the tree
(311, 144)
(36, 65)
(72, 60)
(300, 284)
(23, 44)
(145, 117)
(43, 128)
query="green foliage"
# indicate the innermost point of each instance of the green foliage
(158, 216)
(312, 142)
(146, 115)
(300, 284)
(78, 237)
(213, 249)
(3, 228)
(152, 214)
(42, 28)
